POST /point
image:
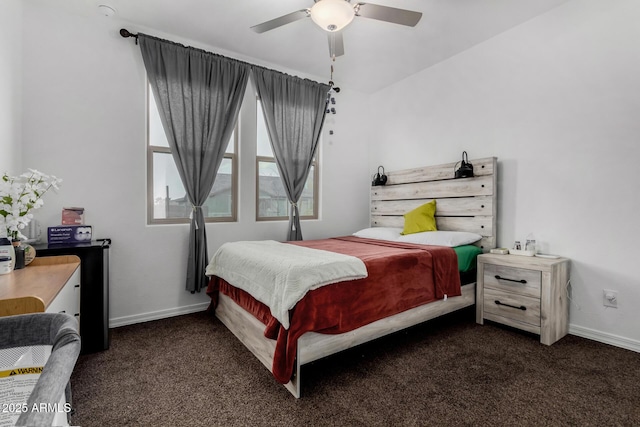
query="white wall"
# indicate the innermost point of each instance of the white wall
(84, 121)
(557, 100)
(10, 85)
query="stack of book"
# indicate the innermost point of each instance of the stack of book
(73, 228)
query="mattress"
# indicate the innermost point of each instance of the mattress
(400, 277)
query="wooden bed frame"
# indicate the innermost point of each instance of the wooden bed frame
(466, 204)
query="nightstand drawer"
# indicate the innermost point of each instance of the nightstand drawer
(512, 306)
(512, 279)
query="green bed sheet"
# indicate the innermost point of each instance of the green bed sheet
(467, 257)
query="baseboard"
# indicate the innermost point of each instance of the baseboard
(604, 337)
(156, 315)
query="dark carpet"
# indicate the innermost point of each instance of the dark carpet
(191, 371)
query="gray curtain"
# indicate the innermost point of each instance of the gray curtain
(199, 96)
(294, 111)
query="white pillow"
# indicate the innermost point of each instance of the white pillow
(380, 233)
(441, 238)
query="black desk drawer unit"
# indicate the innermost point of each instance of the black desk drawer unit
(94, 289)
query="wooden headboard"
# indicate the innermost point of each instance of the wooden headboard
(463, 204)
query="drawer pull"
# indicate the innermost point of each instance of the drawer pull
(522, 307)
(511, 280)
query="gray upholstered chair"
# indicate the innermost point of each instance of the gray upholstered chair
(59, 330)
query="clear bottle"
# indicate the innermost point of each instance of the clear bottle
(530, 245)
(7, 250)
(5, 264)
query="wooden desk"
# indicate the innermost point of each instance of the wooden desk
(33, 288)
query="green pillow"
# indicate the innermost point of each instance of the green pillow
(420, 219)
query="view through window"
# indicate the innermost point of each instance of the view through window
(167, 199)
(272, 202)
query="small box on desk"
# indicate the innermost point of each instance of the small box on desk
(72, 216)
(69, 234)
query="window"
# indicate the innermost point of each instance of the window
(167, 202)
(272, 202)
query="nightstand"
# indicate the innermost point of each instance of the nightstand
(528, 293)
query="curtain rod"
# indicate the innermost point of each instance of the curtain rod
(126, 33)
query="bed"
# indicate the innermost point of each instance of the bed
(367, 307)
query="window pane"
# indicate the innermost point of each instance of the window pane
(169, 196)
(305, 204)
(264, 146)
(157, 136)
(272, 198)
(220, 200)
(231, 145)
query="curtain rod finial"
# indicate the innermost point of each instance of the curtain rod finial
(125, 33)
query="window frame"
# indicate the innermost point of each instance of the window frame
(152, 149)
(316, 176)
(316, 180)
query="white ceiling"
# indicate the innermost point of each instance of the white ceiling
(377, 53)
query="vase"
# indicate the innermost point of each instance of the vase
(18, 256)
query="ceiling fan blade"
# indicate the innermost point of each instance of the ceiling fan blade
(283, 20)
(388, 14)
(336, 45)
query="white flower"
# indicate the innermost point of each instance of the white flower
(19, 195)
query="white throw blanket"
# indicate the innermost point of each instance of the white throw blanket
(279, 274)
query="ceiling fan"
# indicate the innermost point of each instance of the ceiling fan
(333, 15)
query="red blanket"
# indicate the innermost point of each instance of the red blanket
(401, 276)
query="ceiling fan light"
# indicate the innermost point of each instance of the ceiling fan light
(332, 15)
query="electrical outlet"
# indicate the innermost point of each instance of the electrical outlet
(610, 298)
